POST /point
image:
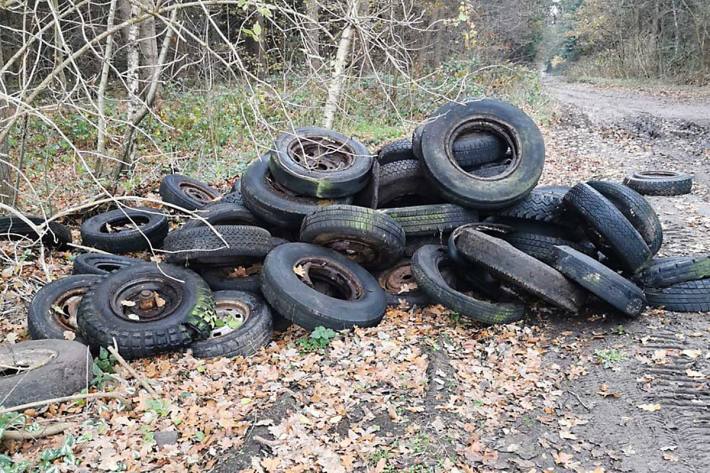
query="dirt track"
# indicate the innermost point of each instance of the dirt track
(616, 132)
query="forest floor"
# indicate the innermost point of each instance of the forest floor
(427, 391)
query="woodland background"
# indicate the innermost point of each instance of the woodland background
(107, 95)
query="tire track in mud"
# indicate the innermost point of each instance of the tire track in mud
(681, 390)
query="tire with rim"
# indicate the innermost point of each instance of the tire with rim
(274, 204)
(358, 299)
(427, 265)
(52, 312)
(601, 281)
(666, 183)
(222, 213)
(507, 263)
(431, 220)
(98, 263)
(506, 121)
(636, 209)
(366, 236)
(220, 245)
(14, 228)
(689, 296)
(186, 192)
(664, 272)
(125, 230)
(245, 326)
(400, 286)
(147, 309)
(59, 368)
(609, 228)
(320, 163)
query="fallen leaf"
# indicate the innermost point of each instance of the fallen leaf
(650, 407)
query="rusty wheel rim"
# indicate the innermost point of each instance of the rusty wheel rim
(146, 299)
(329, 278)
(321, 154)
(197, 193)
(399, 280)
(65, 309)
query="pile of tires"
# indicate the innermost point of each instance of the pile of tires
(320, 232)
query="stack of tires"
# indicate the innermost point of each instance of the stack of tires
(319, 232)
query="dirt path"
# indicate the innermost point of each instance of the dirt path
(611, 104)
(660, 356)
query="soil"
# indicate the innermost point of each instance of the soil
(634, 395)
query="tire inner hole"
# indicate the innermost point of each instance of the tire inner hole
(124, 224)
(321, 154)
(329, 278)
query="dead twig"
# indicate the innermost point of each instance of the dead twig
(144, 382)
(48, 431)
(75, 397)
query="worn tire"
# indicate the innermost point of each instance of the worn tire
(186, 192)
(317, 179)
(234, 197)
(98, 263)
(660, 182)
(609, 227)
(67, 372)
(202, 246)
(400, 286)
(431, 220)
(543, 204)
(470, 150)
(463, 188)
(13, 228)
(274, 204)
(636, 209)
(222, 213)
(601, 281)
(101, 317)
(304, 306)
(427, 264)
(256, 331)
(540, 247)
(507, 263)
(404, 180)
(148, 228)
(664, 272)
(366, 236)
(689, 296)
(398, 150)
(44, 318)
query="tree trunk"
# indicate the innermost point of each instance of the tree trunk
(149, 49)
(5, 176)
(312, 36)
(58, 42)
(101, 99)
(341, 58)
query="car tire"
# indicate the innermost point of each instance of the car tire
(186, 192)
(13, 228)
(61, 368)
(461, 187)
(341, 168)
(427, 265)
(601, 281)
(146, 229)
(107, 313)
(221, 245)
(665, 183)
(361, 303)
(52, 312)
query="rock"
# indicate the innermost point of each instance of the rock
(168, 437)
